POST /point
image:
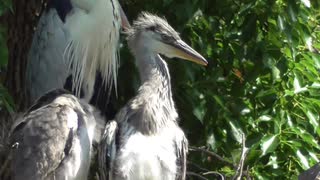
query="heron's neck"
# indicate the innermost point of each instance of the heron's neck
(154, 73)
(154, 100)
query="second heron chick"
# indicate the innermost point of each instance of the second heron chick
(144, 142)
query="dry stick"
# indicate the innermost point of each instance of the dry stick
(214, 173)
(202, 149)
(244, 153)
(197, 175)
(197, 166)
(206, 172)
(247, 174)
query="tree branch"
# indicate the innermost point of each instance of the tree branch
(244, 153)
(197, 166)
(204, 150)
(196, 175)
(214, 173)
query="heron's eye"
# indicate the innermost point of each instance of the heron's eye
(165, 37)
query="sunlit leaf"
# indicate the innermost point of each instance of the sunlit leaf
(236, 131)
(273, 162)
(303, 160)
(269, 144)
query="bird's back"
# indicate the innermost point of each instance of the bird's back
(74, 40)
(46, 69)
(53, 141)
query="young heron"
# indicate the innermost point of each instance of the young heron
(78, 38)
(144, 142)
(54, 138)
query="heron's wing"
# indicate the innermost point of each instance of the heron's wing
(46, 68)
(42, 140)
(181, 151)
(107, 149)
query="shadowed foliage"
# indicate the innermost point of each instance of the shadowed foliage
(262, 81)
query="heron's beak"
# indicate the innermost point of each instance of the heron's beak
(124, 20)
(184, 51)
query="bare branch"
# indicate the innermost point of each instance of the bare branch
(246, 173)
(244, 153)
(196, 175)
(206, 172)
(197, 166)
(214, 173)
(204, 150)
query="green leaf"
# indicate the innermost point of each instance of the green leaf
(303, 160)
(269, 144)
(236, 131)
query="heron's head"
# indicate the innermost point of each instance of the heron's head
(156, 35)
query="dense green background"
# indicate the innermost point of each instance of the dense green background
(262, 81)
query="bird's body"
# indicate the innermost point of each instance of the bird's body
(54, 139)
(74, 40)
(78, 38)
(46, 68)
(151, 157)
(145, 142)
(150, 149)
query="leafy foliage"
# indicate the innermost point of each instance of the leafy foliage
(262, 81)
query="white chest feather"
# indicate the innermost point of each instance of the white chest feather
(147, 157)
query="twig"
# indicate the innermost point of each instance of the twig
(244, 153)
(247, 174)
(197, 175)
(206, 172)
(214, 173)
(202, 149)
(197, 166)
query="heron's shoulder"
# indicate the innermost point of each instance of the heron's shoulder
(63, 7)
(48, 98)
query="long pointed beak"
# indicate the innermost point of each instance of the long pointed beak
(184, 51)
(124, 20)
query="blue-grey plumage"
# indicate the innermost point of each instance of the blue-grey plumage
(78, 38)
(54, 138)
(144, 142)
(46, 69)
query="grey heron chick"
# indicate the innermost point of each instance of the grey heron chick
(77, 38)
(144, 142)
(54, 138)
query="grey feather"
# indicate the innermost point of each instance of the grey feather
(182, 151)
(80, 39)
(54, 140)
(107, 149)
(46, 69)
(147, 143)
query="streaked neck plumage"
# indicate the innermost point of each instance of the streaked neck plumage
(154, 99)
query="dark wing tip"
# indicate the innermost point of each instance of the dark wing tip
(48, 98)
